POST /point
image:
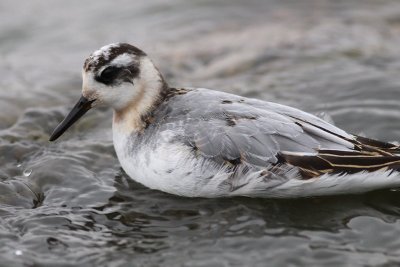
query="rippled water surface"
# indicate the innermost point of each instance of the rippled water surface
(69, 203)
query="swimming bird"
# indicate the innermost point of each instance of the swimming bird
(197, 142)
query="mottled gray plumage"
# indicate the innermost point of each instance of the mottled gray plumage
(229, 128)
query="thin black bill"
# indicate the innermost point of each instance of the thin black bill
(77, 111)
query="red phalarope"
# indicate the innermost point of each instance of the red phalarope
(202, 143)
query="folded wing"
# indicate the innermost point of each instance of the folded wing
(234, 130)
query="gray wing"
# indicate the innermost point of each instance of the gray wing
(229, 128)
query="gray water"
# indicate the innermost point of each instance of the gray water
(69, 203)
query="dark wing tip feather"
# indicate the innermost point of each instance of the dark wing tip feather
(383, 148)
(336, 161)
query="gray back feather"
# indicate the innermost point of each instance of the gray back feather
(229, 128)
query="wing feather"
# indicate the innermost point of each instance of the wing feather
(229, 128)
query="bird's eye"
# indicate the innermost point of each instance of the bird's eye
(109, 74)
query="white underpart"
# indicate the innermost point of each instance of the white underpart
(173, 169)
(333, 184)
(167, 168)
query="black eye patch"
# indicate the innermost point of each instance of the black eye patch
(108, 75)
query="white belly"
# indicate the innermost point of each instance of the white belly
(174, 169)
(169, 167)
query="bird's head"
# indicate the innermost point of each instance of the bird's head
(117, 75)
